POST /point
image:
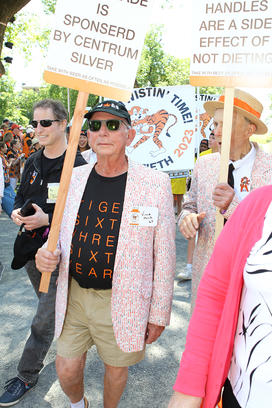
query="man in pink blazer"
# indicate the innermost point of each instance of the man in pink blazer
(117, 259)
(252, 168)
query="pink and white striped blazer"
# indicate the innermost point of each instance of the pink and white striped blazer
(142, 287)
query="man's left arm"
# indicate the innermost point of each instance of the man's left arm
(164, 251)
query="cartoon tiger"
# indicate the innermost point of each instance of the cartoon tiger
(136, 113)
(151, 124)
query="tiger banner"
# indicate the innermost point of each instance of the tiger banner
(95, 47)
(204, 122)
(231, 47)
(164, 120)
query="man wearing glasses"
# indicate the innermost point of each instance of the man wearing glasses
(39, 184)
(118, 248)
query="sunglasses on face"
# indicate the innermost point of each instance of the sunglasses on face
(112, 124)
(43, 122)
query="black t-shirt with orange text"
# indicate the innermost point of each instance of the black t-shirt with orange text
(96, 232)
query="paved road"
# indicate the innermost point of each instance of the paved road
(150, 382)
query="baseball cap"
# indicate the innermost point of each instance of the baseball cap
(116, 108)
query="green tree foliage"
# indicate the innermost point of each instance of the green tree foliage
(151, 70)
(26, 33)
(18, 106)
(12, 105)
(49, 6)
(7, 10)
(157, 68)
(176, 70)
(60, 93)
(6, 96)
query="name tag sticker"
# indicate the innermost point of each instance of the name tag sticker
(53, 189)
(144, 216)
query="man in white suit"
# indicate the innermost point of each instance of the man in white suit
(117, 245)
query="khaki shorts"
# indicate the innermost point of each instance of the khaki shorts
(88, 322)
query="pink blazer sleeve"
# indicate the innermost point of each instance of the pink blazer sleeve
(216, 303)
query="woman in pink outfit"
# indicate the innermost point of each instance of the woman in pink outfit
(229, 340)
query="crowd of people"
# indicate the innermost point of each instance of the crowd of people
(17, 143)
(112, 273)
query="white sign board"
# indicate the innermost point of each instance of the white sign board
(164, 119)
(232, 43)
(95, 46)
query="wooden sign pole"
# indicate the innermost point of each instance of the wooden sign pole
(66, 174)
(225, 150)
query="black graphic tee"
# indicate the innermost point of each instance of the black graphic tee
(96, 231)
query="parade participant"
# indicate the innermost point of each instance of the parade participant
(39, 184)
(178, 186)
(27, 140)
(2, 183)
(203, 146)
(14, 157)
(252, 168)
(9, 195)
(213, 145)
(35, 145)
(6, 122)
(7, 138)
(228, 342)
(119, 227)
(187, 273)
(16, 130)
(1, 196)
(83, 141)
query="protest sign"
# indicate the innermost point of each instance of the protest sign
(232, 43)
(231, 47)
(164, 120)
(96, 46)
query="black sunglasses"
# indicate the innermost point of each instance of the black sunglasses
(112, 124)
(43, 122)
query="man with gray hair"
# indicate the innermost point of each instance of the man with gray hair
(117, 262)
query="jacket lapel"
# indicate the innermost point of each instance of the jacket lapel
(124, 230)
